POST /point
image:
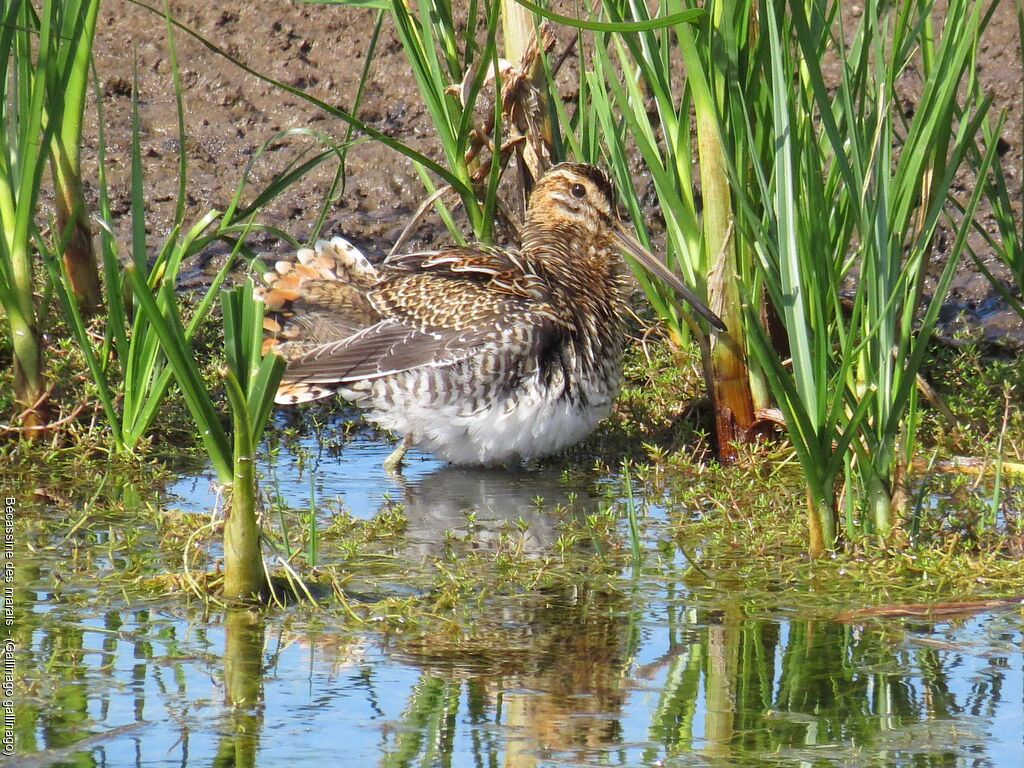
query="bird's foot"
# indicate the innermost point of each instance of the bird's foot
(393, 463)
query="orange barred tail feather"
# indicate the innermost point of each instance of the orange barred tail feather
(321, 296)
(335, 261)
(295, 392)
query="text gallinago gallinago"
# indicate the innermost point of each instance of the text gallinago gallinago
(477, 354)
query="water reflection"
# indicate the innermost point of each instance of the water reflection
(570, 697)
(593, 678)
(243, 689)
(634, 673)
(482, 504)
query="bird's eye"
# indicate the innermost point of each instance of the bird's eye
(578, 190)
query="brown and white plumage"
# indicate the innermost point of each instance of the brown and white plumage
(477, 354)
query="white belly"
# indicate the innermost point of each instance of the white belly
(531, 423)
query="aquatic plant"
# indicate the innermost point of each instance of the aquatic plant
(122, 352)
(628, 71)
(450, 69)
(250, 380)
(146, 342)
(128, 358)
(158, 344)
(35, 57)
(78, 23)
(852, 186)
(810, 187)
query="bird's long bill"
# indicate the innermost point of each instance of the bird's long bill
(652, 264)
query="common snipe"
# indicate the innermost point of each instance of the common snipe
(477, 354)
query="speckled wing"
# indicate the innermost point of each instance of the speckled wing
(501, 269)
(432, 309)
(382, 349)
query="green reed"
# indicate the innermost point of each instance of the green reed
(144, 343)
(807, 185)
(127, 366)
(629, 71)
(69, 83)
(154, 343)
(635, 541)
(249, 379)
(38, 56)
(1008, 242)
(450, 69)
(853, 190)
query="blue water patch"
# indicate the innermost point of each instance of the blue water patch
(673, 685)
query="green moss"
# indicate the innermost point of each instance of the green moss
(977, 389)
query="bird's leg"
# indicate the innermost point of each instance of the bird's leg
(393, 463)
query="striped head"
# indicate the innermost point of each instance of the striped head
(574, 195)
(578, 198)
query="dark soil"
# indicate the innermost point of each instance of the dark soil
(230, 114)
(322, 49)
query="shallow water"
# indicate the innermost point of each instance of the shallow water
(672, 682)
(649, 672)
